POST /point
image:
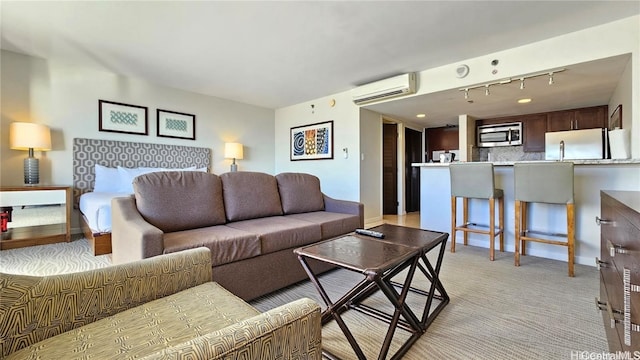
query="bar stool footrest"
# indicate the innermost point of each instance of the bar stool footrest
(478, 229)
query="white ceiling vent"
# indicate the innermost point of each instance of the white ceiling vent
(384, 89)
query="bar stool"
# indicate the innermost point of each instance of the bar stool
(550, 183)
(476, 181)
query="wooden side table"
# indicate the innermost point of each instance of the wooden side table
(18, 237)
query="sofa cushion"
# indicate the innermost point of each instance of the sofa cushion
(250, 195)
(179, 200)
(280, 232)
(226, 244)
(299, 193)
(332, 224)
(148, 328)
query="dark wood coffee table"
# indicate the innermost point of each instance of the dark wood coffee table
(380, 260)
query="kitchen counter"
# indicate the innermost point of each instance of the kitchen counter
(590, 176)
(575, 162)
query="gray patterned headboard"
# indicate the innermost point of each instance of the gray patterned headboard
(88, 152)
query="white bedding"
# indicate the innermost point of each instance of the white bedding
(96, 207)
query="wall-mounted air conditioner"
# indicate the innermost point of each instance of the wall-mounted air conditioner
(384, 89)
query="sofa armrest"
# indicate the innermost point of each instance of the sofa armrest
(294, 329)
(345, 207)
(132, 237)
(36, 308)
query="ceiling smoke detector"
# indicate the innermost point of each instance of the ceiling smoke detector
(462, 71)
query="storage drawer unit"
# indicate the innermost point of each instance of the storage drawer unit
(619, 266)
(18, 237)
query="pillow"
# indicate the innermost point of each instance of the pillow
(106, 179)
(127, 175)
(300, 193)
(250, 195)
(175, 201)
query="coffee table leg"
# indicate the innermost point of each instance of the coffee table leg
(433, 276)
(333, 309)
(401, 308)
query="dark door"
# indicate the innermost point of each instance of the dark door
(413, 154)
(389, 169)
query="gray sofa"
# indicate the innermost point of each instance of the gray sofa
(250, 221)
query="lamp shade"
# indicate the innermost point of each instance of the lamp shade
(233, 151)
(25, 136)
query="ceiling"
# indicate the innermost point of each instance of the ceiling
(275, 54)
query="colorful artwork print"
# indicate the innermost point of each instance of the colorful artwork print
(312, 142)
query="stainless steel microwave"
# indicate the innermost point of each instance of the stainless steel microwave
(508, 134)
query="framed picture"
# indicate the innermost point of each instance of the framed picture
(122, 118)
(312, 142)
(615, 121)
(178, 125)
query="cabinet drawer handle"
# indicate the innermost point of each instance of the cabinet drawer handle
(616, 249)
(601, 264)
(613, 313)
(602, 221)
(628, 288)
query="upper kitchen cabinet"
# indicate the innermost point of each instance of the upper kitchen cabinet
(440, 138)
(577, 119)
(533, 127)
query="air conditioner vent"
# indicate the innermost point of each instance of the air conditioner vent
(385, 89)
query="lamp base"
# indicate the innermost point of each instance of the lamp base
(31, 171)
(234, 167)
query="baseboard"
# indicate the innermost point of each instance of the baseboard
(371, 222)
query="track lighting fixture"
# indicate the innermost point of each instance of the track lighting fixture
(509, 80)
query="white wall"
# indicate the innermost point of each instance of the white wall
(339, 177)
(622, 95)
(65, 97)
(370, 165)
(615, 38)
(612, 39)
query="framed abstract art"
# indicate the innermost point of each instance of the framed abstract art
(178, 125)
(312, 142)
(122, 118)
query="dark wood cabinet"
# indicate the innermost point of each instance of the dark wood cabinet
(441, 138)
(577, 119)
(619, 266)
(591, 118)
(534, 127)
(560, 120)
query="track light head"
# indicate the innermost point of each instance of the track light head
(466, 94)
(550, 78)
(521, 83)
(486, 90)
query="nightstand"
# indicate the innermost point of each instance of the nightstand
(19, 196)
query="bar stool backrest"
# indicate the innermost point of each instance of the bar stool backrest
(548, 182)
(472, 180)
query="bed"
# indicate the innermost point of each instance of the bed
(128, 159)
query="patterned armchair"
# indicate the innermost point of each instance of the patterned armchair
(157, 308)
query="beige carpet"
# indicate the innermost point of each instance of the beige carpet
(497, 311)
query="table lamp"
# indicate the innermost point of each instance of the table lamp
(30, 136)
(233, 151)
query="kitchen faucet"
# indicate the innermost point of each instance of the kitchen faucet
(561, 150)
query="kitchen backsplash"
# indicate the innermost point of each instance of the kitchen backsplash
(506, 153)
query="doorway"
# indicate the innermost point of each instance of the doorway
(389, 169)
(413, 154)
